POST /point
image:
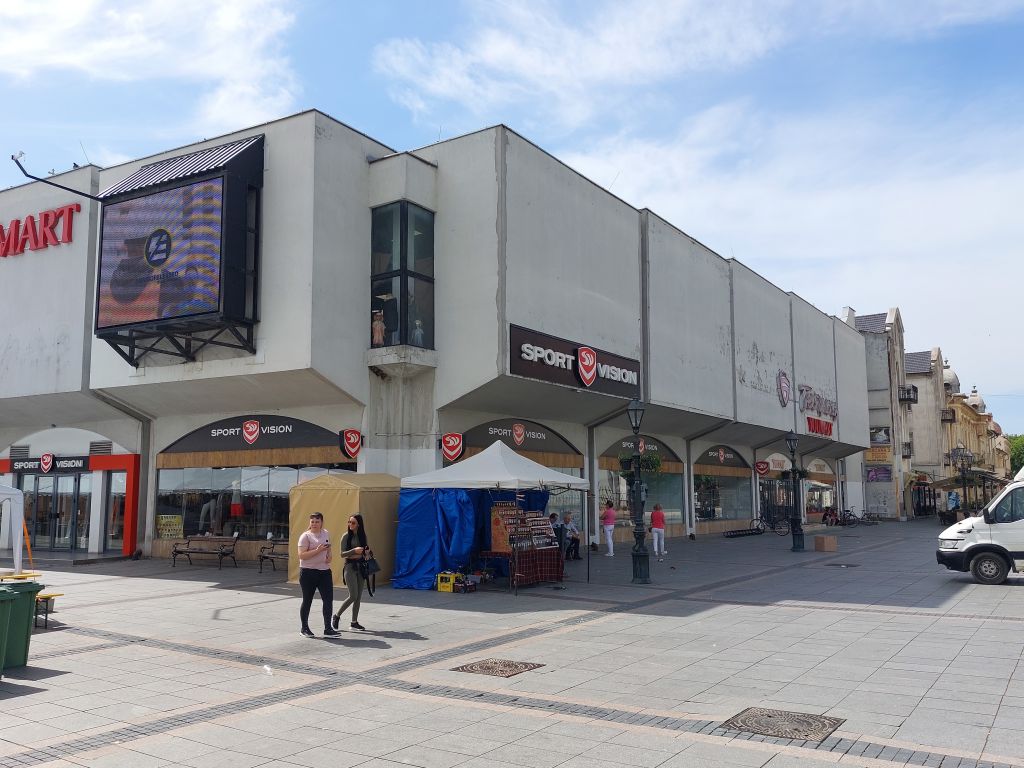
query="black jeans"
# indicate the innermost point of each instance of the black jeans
(311, 580)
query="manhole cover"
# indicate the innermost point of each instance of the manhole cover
(786, 725)
(497, 667)
(842, 565)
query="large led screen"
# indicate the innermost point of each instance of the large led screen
(160, 256)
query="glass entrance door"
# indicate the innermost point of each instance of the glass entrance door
(57, 510)
(63, 515)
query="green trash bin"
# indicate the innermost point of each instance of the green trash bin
(7, 598)
(23, 615)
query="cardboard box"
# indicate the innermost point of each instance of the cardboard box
(826, 544)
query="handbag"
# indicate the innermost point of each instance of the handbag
(368, 568)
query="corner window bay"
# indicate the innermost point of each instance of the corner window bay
(402, 276)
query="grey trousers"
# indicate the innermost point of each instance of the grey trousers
(354, 582)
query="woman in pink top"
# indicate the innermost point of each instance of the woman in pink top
(658, 532)
(315, 574)
(608, 521)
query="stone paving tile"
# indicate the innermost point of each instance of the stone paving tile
(832, 632)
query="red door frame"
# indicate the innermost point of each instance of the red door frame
(129, 464)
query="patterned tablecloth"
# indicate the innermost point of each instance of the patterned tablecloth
(532, 566)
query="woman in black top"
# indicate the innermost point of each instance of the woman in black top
(353, 547)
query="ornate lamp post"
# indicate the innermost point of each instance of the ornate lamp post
(963, 459)
(641, 558)
(795, 527)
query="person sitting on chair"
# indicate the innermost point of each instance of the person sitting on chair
(572, 538)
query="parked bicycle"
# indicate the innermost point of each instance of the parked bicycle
(779, 525)
(845, 517)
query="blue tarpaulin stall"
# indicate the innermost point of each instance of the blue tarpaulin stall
(444, 516)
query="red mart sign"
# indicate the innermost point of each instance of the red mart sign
(36, 232)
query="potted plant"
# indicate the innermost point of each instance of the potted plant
(650, 464)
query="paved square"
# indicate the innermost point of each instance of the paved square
(149, 666)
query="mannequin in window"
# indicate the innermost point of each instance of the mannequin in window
(236, 500)
(207, 513)
(417, 334)
(377, 329)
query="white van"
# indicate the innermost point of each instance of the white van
(990, 545)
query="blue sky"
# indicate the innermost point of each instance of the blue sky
(856, 152)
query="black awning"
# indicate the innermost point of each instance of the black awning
(177, 168)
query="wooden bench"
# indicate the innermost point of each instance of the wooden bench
(273, 551)
(219, 546)
(43, 600)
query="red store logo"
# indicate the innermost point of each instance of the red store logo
(451, 445)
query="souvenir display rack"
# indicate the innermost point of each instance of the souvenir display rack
(527, 542)
(515, 530)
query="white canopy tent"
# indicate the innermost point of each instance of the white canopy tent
(12, 506)
(496, 467)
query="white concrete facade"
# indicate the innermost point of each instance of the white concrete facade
(519, 239)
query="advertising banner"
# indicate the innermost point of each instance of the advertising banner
(881, 435)
(160, 256)
(881, 474)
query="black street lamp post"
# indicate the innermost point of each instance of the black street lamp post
(795, 527)
(963, 459)
(641, 558)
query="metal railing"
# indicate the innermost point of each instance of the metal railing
(907, 394)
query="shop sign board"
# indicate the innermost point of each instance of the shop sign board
(879, 454)
(819, 467)
(47, 464)
(254, 432)
(820, 427)
(537, 355)
(778, 462)
(38, 231)
(518, 434)
(722, 456)
(647, 444)
(762, 468)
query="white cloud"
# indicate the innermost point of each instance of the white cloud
(866, 208)
(229, 49)
(530, 53)
(575, 70)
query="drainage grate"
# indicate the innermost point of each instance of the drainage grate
(787, 725)
(497, 667)
(842, 565)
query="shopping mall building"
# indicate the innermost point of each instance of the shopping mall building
(215, 323)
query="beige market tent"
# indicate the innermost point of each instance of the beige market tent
(337, 497)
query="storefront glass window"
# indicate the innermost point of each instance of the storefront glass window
(723, 498)
(250, 501)
(819, 497)
(402, 276)
(116, 495)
